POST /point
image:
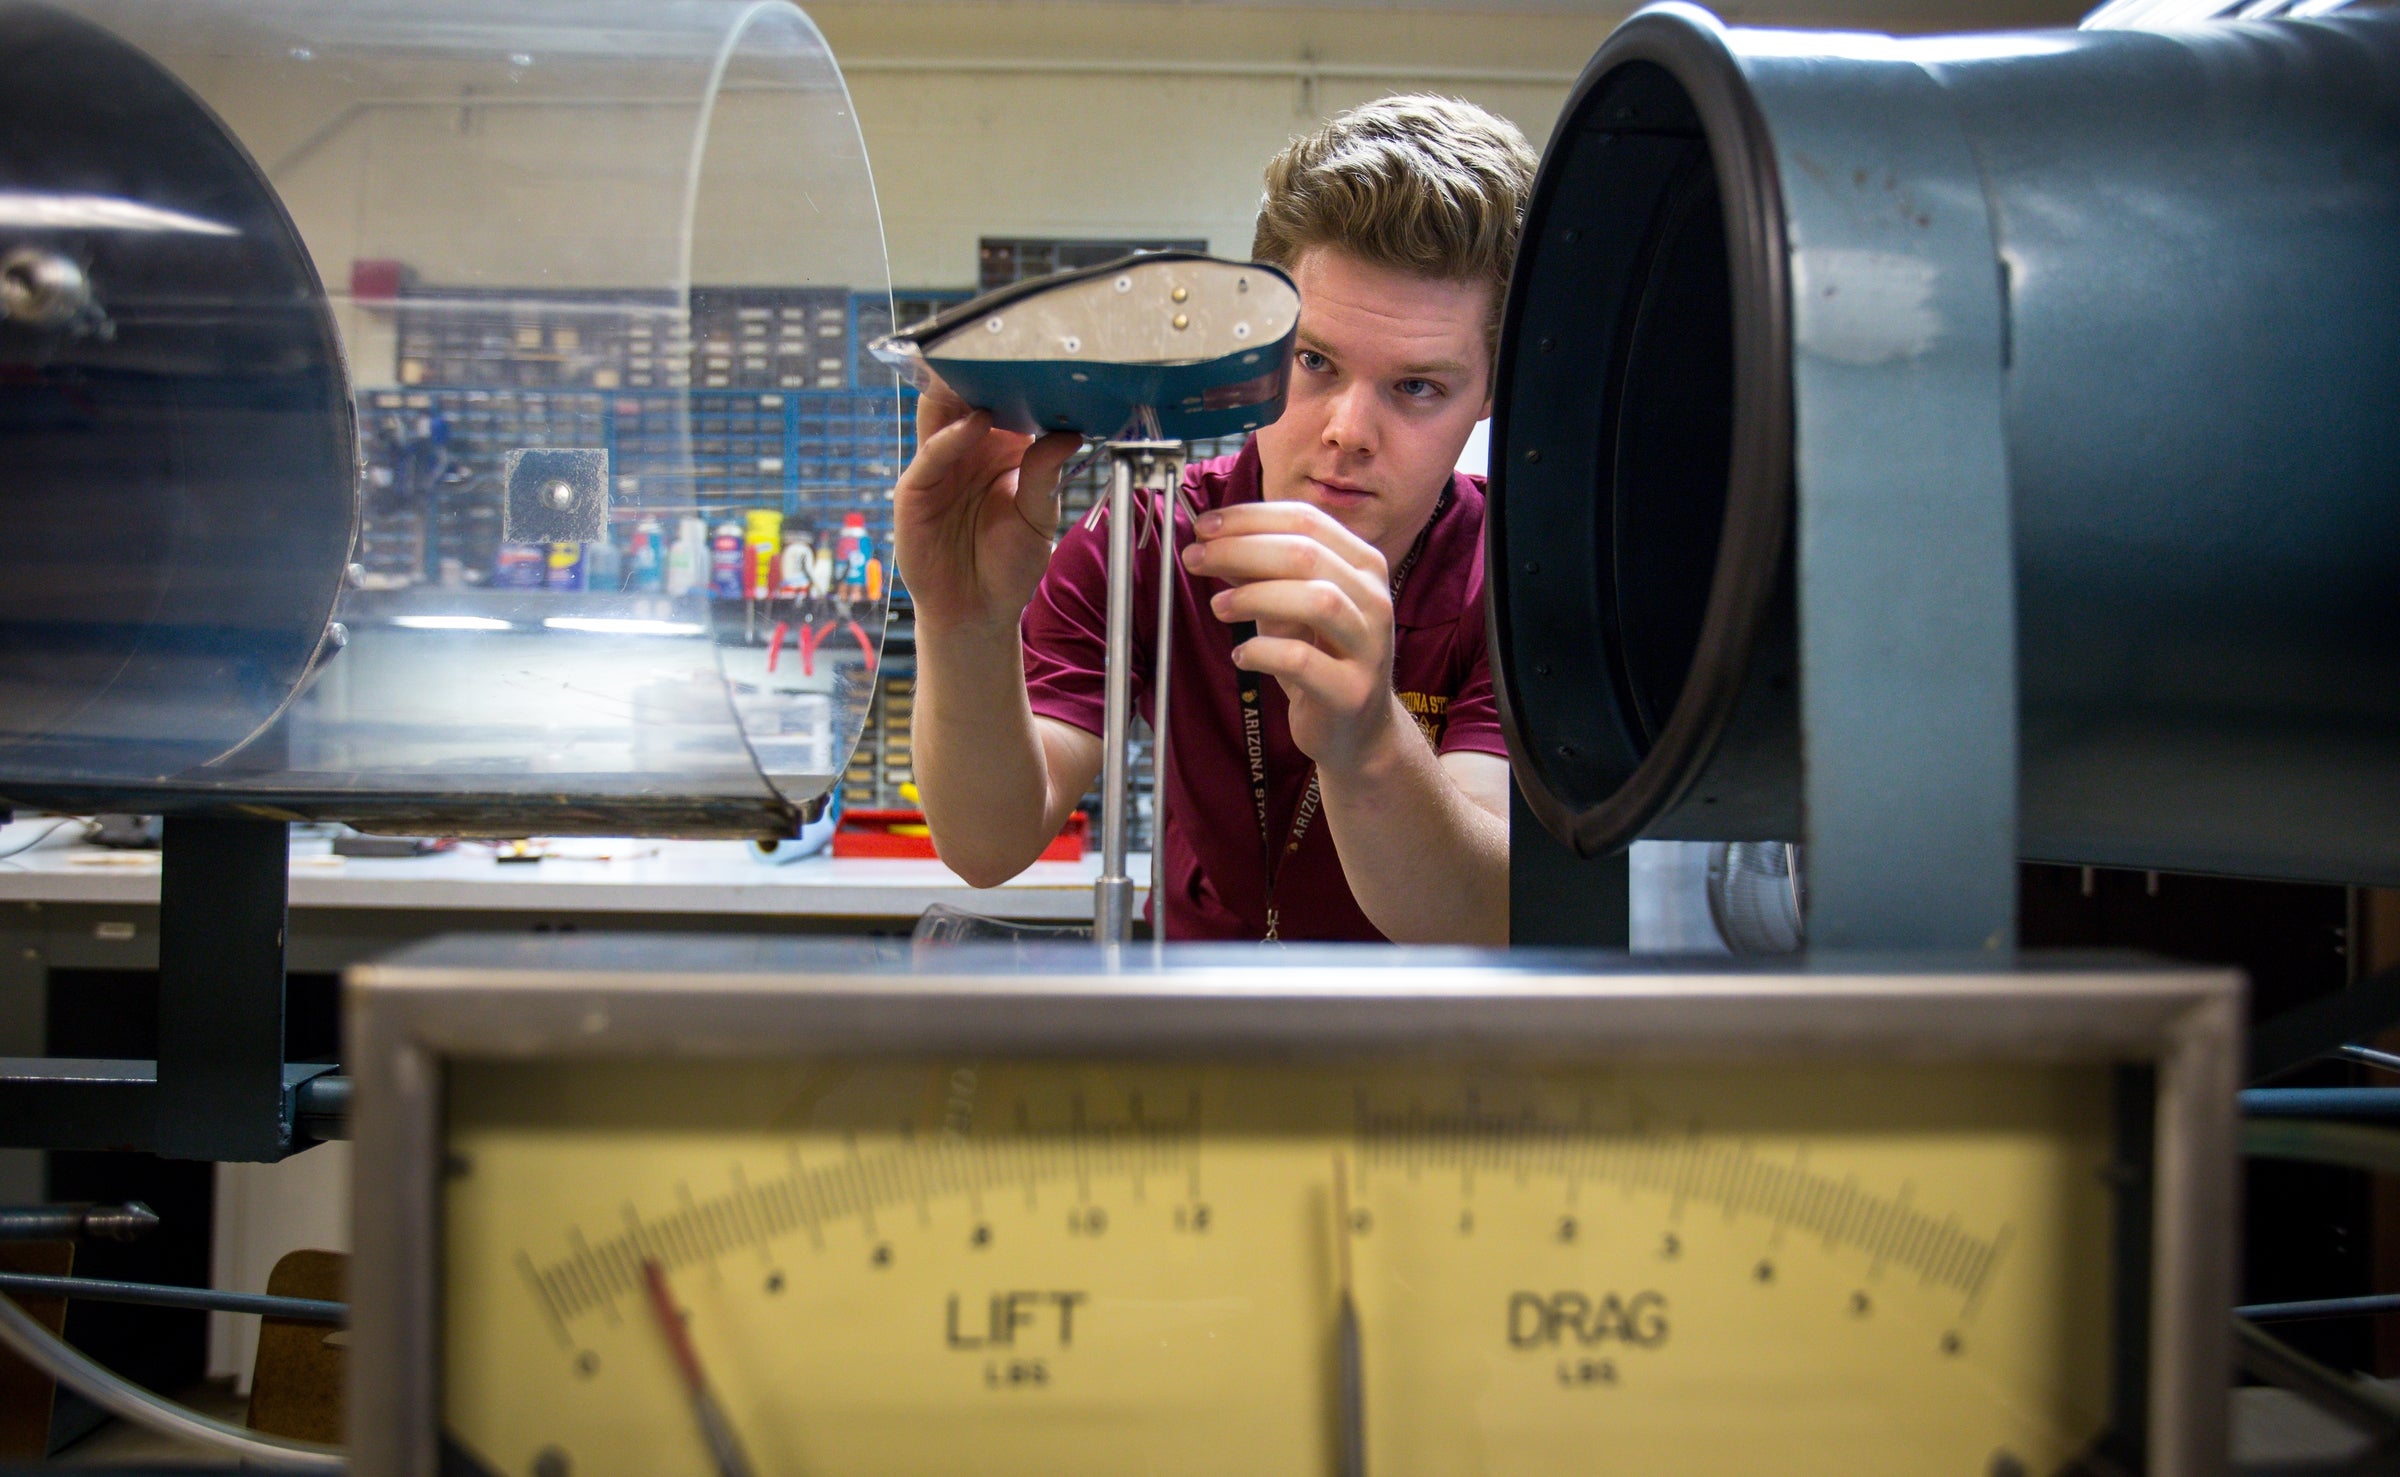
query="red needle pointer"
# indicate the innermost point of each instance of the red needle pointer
(714, 1428)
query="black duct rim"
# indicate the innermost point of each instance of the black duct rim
(1593, 790)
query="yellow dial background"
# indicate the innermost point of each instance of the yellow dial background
(993, 1267)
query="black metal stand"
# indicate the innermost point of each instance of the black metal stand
(220, 1089)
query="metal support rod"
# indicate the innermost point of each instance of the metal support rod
(124, 1222)
(2354, 1402)
(2378, 1103)
(1133, 467)
(1112, 894)
(1165, 470)
(2368, 1056)
(158, 1295)
(2352, 1307)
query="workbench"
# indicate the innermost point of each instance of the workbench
(69, 906)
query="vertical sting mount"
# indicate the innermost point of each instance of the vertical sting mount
(1161, 349)
(1134, 467)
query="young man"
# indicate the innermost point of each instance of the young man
(1340, 532)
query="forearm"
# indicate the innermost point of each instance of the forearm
(977, 753)
(1426, 863)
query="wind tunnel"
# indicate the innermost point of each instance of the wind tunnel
(378, 384)
(1953, 449)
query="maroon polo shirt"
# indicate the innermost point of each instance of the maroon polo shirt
(1214, 876)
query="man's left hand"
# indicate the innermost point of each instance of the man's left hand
(1321, 597)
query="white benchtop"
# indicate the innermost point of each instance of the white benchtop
(581, 874)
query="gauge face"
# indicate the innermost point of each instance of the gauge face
(1013, 1267)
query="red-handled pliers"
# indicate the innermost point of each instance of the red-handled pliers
(809, 638)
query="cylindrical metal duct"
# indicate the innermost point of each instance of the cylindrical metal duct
(2103, 328)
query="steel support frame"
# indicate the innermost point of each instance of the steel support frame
(220, 1088)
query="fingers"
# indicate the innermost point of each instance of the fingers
(937, 406)
(1305, 671)
(943, 460)
(1241, 559)
(1319, 608)
(1037, 477)
(1291, 517)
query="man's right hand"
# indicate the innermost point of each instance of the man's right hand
(975, 514)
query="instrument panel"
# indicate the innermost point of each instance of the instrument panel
(1009, 1220)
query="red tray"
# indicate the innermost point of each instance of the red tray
(869, 833)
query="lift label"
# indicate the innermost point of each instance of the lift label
(998, 1322)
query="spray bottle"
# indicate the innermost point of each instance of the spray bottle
(649, 560)
(725, 562)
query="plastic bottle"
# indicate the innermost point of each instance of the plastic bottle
(566, 565)
(851, 551)
(762, 545)
(603, 564)
(725, 562)
(799, 568)
(687, 560)
(648, 561)
(521, 567)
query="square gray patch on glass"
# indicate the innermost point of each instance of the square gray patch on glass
(554, 494)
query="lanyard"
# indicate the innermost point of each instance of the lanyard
(1248, 686)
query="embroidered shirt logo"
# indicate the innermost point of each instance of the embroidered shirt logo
(1432, 712)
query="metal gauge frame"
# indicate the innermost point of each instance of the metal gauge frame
(2174, 1032)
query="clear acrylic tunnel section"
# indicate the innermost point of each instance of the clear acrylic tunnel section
(598, 272)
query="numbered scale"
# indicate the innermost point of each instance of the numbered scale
(782, 1210)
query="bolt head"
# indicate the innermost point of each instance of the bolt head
(558, 496)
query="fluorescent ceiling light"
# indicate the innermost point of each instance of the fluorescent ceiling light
(451, 623)
(617, 626)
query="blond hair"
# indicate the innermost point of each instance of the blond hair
(1422, 184)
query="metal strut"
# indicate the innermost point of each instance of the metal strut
(1134, 467)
